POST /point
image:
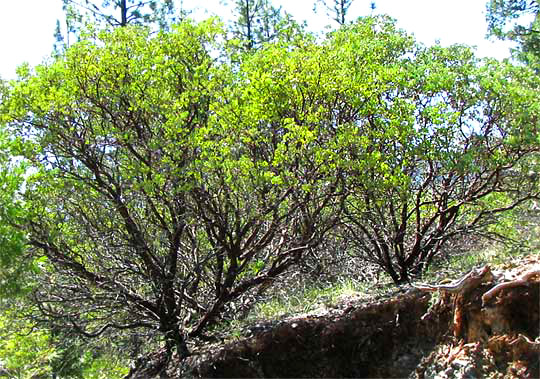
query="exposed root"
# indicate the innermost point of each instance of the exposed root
(463, 335)
(496, 339)
(523, 280)
(469, 281)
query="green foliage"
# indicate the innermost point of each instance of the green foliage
(27, 351)
(103, 367)
(119, 12)
(169, 175)
(30, 351)
(258, 22)
(24, 352)
(93, 126)
(156, 14)
(15, 266)
(308, 299)
(441, 133)
(74, 359)
(505, 21)
(150, 175)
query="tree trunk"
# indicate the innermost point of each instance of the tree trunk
(123, 10)
(175, 340)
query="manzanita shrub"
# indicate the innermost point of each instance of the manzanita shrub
(170, 176)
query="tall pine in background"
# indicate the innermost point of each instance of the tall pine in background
(519, 21)
(257, 22)
(112, 14)
(335, 9)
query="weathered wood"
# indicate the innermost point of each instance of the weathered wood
(470, 280)
(521, 281)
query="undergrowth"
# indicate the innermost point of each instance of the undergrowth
(312, 296)
(309, 299)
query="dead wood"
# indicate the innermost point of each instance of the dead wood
(523, 280)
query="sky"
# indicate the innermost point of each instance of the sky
(27, 26)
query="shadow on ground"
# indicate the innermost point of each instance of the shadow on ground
(416, 334)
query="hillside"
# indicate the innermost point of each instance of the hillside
(484, 324)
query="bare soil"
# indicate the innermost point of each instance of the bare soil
(478, 332)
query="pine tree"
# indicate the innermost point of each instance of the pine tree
(114, 13)
(257, 22)
(336, 9)
(505, 21)
(123, 12)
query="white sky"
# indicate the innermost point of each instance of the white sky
(27, 26)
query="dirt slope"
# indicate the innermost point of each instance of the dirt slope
(487, 326)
